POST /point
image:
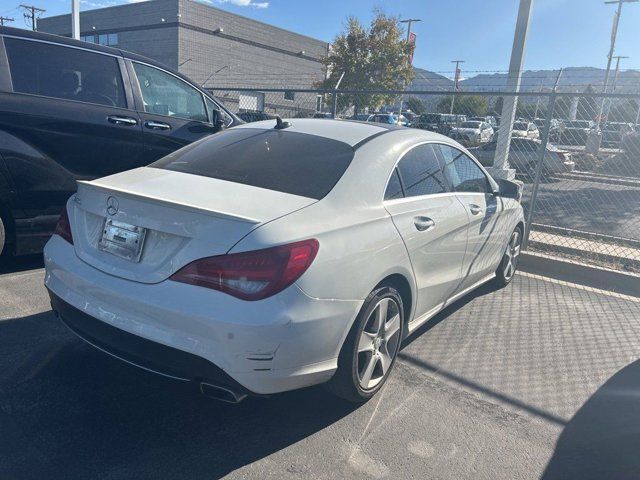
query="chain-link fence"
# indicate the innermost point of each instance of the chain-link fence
(577, 154)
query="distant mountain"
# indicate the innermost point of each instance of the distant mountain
(426, 80)
(573, 79)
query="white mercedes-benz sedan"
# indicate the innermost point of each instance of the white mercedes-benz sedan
(274, 256)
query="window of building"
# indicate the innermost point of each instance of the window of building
(289, 95)
(55, 71)
(165, 94)
(463, 173)
(108, 39)
(318, 103)
(421, 172)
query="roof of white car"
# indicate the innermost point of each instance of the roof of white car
(349, 132)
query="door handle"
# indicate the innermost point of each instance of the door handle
(127, 121)
(157, 125)
(423, 223)
(475, 209)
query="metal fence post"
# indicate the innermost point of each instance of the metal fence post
(542, 150)
(334, 104)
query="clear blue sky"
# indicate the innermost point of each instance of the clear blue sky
(563, 32)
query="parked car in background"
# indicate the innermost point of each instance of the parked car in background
(437, 122)
(360, 117)
(614, 132)
(388, 119)
(471, 133)
(72, 110)
(322, 115)
(523, 156)
(555, 128)
(576, 132)
(525, 130)
(489, 119)
(243, 264)
(254, 116)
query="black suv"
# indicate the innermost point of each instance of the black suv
(71, 110)
(438, 122)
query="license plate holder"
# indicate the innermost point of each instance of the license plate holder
(122, 239)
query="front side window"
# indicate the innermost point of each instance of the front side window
(212, 108)
(463, 173)
(164, 94)
(421, 172)
(62, 72)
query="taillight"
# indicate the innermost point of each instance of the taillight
(63, 228)
(251, 275)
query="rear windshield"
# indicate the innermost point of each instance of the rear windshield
(289, 162)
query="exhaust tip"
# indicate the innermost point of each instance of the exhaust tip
(220, 393)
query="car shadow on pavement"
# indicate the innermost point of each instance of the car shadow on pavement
(11, 264)
(602, 440)
(69, 411)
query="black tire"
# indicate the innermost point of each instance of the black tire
(2, 237)
(502, 279)
(346, 381)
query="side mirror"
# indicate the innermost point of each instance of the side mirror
(218, 123)
(509, 189)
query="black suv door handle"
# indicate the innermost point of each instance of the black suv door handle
(127, 121)
(157, 125)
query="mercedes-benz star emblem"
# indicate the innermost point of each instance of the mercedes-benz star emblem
(112, 206)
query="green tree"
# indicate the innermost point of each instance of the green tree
(497, 106)
(587, 106)
(416, 105)
(373, 58)
(469, 105)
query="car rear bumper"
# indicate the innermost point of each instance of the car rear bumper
(281, 343)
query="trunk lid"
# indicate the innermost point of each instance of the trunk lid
(185, 217)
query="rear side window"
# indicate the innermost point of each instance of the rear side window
(463, 172)
(394, 188)
(289, 162)
(61, 72)
(421, 172)
(165, 94)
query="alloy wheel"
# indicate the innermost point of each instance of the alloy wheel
(378, 343)
(512, 254)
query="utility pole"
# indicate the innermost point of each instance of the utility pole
(408, 21)
(613, 85)
(612, 48)
(456, 79)
(594, 139)
(5, 19)
(500, 167)
(75, 19)
(31, 15)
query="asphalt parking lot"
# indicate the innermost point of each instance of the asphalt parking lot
(540, 379)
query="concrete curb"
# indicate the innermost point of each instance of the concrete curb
(583, 274)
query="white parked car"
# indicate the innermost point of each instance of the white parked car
(472, 132)
(264, 259)
(523, 156)
(525, 130)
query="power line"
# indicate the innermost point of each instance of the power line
(31, 15)
(6, 19)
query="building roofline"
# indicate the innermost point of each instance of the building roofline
(179, 5)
